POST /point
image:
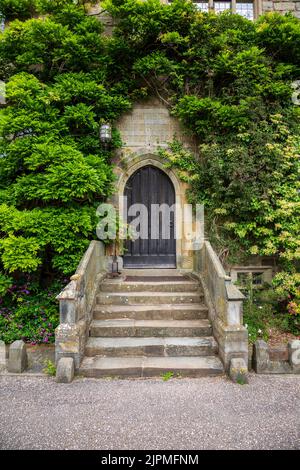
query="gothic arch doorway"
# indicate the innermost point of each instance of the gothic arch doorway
(156, 246)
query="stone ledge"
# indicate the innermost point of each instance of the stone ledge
(279, 360)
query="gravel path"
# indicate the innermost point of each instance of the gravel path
(205, 413)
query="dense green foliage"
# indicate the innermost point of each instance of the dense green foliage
(29, 313)
(227, 79)
(53, 170)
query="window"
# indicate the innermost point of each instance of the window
(202, 6)
(250, 277)
(245, 9)
(222, 6)
(257, 279)
(243, 279)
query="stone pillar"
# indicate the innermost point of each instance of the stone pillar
(70, 341)
(261, 357)
(294, 355)
(2, 355)
(65, 370)
(17, 359)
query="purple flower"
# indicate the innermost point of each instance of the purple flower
(25, 291)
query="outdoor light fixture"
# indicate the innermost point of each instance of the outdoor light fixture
(105, 134)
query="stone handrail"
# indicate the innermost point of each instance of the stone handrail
(76, 303)
(225, 305)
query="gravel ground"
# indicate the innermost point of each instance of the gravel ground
(205, 413)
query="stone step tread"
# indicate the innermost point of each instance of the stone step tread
(151, 346)
(148, 312)
(152, 272)
(148, 286)
(128, 322)
(149, 307)
(149, 294)
(121, 342)
(150, 366)
(150, 283)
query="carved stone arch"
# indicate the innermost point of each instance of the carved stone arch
(127, 168)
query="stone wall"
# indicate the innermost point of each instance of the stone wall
(283, 359)
(76, 304)
(149, 125)
(282, 6)
(225, 304)
(261, 7)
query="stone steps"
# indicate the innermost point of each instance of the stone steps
(158, 328)
(191, 311)
(134, 298)
(152, 346)
(148, 323)
(140, 286)
(195, 366)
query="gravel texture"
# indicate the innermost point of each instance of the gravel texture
(205, 413)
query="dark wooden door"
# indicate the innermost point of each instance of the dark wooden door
(148, 186)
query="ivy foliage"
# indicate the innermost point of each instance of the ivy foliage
(227, 79)
(54, 171)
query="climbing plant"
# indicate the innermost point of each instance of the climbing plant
(227, 79)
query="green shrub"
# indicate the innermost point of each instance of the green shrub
(29, 313)
(21, 9)
(264, 311)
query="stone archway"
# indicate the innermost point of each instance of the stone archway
(146, 128)
(126, 168)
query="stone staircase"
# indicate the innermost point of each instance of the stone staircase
(146, 325)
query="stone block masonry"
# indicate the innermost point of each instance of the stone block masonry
(2, 355)
(278, 360)
(282, 6)
(65, 370)
(17, 360)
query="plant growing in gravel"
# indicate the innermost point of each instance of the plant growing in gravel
(167, 376)
(50, 368)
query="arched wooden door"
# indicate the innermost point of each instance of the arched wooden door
(151, 186)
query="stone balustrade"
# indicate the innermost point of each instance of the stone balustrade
(76, 303)
(225, 303)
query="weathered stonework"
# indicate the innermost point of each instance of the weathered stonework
(238, 371)
(260, 7)
(276, 360)
(3, 356)
(225, 303)
(76, 304)
(65, 370)
(294, 356)
(149, 125)
(282, 6)
(145, 129)
(17, 359)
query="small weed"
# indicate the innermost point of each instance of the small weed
(241, 380)
(167, 376)
(50, 368)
